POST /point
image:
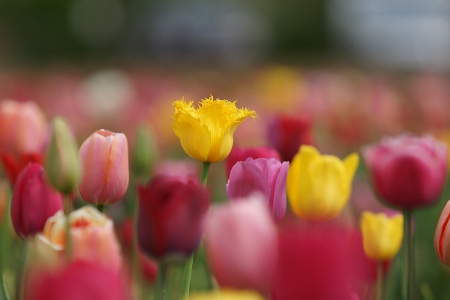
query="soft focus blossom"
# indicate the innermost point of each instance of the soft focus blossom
(241, 245)
(286, 133)
(319, 186)
(104, 162)
(23, 134)
(267, 176)
(241, 154)
(206, 133)
(33, 201)
(407, 171)
(79, 280)
(145, 152)
(171, 216)
(442, 236)
(382, 235)
(226, 294)
(92, 234)
(61, 163)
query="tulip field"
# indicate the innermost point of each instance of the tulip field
(275, 182)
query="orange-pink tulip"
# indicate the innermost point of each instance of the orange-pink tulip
(104, 162)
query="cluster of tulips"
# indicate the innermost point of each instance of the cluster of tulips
(253, 246)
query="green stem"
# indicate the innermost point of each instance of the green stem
(409, 253)
(205, 171)
(4, 289)
(135, 271)
(100, 207)
(161, 281)
(380, 280)
(68, 208)
(187, 276)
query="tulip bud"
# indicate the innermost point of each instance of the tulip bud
(318, 186)
(441, 236)
(104, 167)
(382, 235)
(145, 152)
(266, 176)
(407, 171)
(241, 245)
(171, 216)
(33, 201)
(61, 163)
(241, 154)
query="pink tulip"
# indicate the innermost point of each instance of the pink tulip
(407, 171)
(33, 201)
(441, 236)
(241, 245)
(104, 160)
(267, 176)
(241, 154)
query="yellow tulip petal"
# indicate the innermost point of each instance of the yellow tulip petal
(351, 163)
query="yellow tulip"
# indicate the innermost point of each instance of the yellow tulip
(318, 186)
(227, 295)
(382, 235)
(206, 133)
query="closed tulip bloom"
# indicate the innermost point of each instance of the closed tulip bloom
(171, 216)
(206, 133)
(241, 154)
(93, 238)
(241, 245)
(104, 163)
(442, 236)
(286, 133)
(23, 134)
(407, 171)
(319, 186)
(267, 176)
(382, 235)
(33, 201)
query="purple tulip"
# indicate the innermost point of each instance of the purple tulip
(266, 176)
(408, 171)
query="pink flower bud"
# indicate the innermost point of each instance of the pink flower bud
(407, 171)
(241, 244)
(171, 215)
(104, 161)
(441, 236)
(33, 201)
(266, 176)
(241, 154)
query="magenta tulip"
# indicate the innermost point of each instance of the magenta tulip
(104, 162)
(241, 154)
(407, 171)
(171, 216)
(267, 176)
(241, 245)
(33, 201)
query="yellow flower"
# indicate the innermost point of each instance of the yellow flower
(226, 295)
(206, 133)
(318, 186)
(382, 236)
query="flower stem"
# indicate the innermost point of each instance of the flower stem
(68, 208)
(4, 289)
(161, 280)
(409, 253)
(380, 280)
(205, 171)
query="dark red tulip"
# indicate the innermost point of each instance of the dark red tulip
(33, 201)
(241, 154)
(286, 133)
(171, 215)
(13, 165)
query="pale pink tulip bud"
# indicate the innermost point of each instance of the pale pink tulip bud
(104, 162)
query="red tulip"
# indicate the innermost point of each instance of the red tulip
(407, 171)
(241, 244)
(288, 132)
(241, 154)
(78, 281)
(171, 215)
(33, 201)
(23, 134)
(104, 161)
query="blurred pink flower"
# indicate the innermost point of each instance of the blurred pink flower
(241, 154)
